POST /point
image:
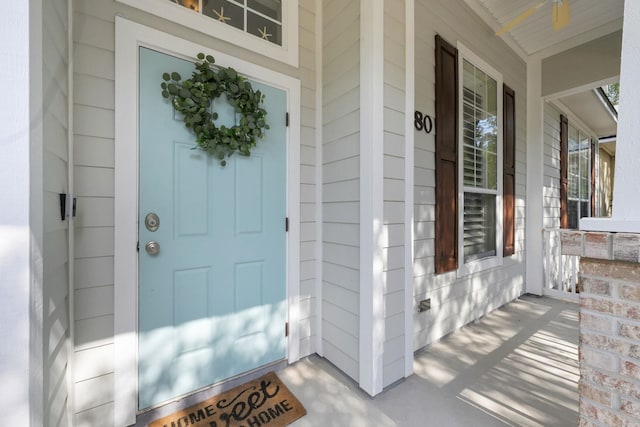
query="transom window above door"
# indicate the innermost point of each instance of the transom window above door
(262, 18)
(267, 27)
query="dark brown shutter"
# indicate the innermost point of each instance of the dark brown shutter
(446, 227)
(594, 152)
(564, 164)
(509, 170)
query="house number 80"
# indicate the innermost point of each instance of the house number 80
(422, 122)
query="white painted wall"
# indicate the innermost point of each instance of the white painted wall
(341, 184)
(20, 226)
(94, 180)
(581, 66)
(456, 301)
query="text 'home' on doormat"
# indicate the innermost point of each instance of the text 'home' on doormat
(264, 402)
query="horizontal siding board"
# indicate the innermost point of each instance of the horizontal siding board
(93, 121)
(93, 393)
(94, 182)
(95, 212)
(342, 148)
(86, 238)
(94, 332)
(93, 151)
(94, 91)
(347, 344)
(94, 362)
(345, 191)
(94, 62)
(341, 212)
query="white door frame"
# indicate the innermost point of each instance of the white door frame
(129, 37)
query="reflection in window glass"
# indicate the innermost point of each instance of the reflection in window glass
(578, 176)
(480, 128)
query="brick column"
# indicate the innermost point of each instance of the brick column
(609, 327)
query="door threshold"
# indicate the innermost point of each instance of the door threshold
(147, 415)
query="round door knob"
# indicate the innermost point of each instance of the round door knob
(152, 247)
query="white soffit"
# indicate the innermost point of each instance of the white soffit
(588, 107)
(535, 34)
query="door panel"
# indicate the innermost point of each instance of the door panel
(212, 300)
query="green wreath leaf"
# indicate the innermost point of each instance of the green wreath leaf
(193, 97)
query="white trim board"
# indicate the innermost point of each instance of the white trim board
(410, 94)
(129, 37)
(372, 322)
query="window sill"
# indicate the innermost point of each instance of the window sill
(480, 265)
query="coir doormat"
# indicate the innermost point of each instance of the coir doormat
(264, 402)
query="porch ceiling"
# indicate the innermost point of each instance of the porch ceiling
(588, 107)
(589, 19)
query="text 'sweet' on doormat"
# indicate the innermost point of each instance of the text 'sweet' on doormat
(264, 402)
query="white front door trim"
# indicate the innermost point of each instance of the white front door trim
(129, 37)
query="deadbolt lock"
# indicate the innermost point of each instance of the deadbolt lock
(152, 222)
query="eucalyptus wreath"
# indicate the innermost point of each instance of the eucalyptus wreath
(192, 98)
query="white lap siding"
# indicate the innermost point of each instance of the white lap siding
(341, 184)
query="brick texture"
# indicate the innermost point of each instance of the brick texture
(595, 286)
(609, 327)
(626, 247)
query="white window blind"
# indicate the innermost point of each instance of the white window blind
(480, 157)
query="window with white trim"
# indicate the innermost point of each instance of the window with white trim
(480, 171)
(268, 27)
(262, 18)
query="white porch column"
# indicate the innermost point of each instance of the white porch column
(626, 203)
(372, 327)
(21, 363)
(535, 172)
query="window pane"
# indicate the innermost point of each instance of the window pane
(264, 28)
(479, 226)
(479, 128)
(573, 139)
(585, 169)
(579, 176)
(574, 175)
(573, 207)
(225, 11)
(269, 8)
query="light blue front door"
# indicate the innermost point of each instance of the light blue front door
(212, 300)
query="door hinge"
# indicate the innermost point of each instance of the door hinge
(138, 247)
(286, 225)
(286, 329)
(286, 119)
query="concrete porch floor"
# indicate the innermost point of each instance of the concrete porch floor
(517, 366)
